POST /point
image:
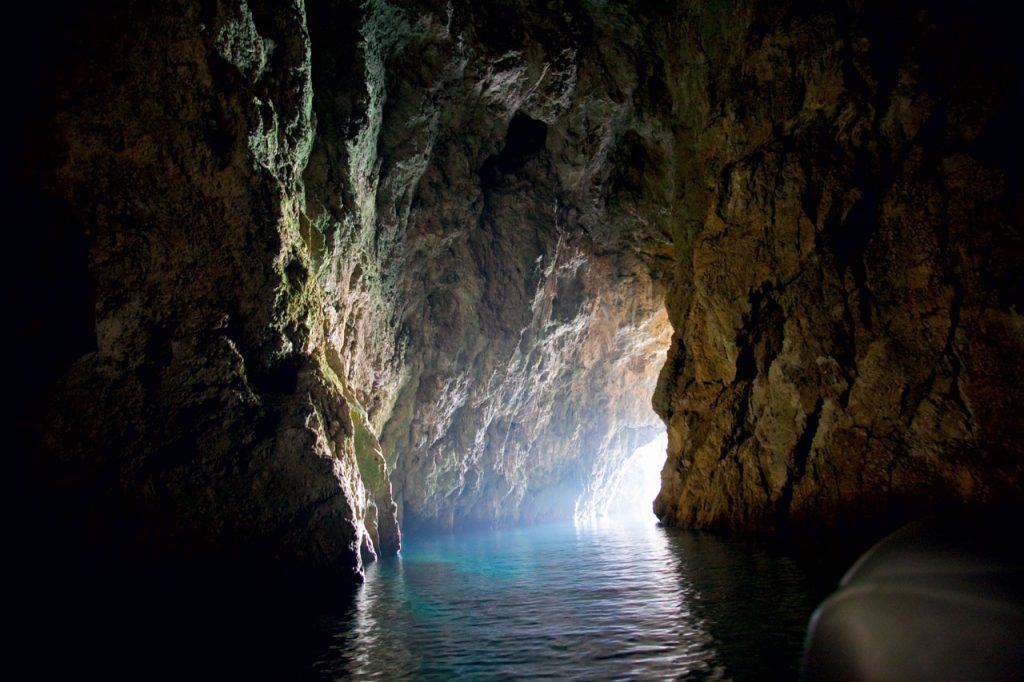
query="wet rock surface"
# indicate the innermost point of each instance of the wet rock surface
(354, 265)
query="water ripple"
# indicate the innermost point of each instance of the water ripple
(610, 602)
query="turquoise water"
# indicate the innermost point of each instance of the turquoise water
(613, 601)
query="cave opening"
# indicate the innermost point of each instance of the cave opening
(630, 492)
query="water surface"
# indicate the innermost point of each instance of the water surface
(609, 601)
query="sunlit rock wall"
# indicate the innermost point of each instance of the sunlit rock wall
(345, 255)
(501, 166)
(827, 198)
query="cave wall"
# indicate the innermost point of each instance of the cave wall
(499, 187)
(357, 264)
(847, 303)
(344, 255)
(208, 423)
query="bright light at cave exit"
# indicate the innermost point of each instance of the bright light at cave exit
(638, 482)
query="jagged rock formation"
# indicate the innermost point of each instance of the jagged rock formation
(847, 315)
(310, 226)
(208, 422)
(362, 263)
(526, 299)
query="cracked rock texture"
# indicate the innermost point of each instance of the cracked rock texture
(512, 246)
(208, 421)
(362, 264)
(847, 313)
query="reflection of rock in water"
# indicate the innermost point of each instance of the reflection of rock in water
(753, 599)
(562, 601)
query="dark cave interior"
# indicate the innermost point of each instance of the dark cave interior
(292, 279)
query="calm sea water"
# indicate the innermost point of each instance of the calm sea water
(611, 601)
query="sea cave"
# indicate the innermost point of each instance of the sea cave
(514, 339)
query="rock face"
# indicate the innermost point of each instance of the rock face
(340, 247)
(498, 180)
(847, 314)
(209, 422)
(362, 263)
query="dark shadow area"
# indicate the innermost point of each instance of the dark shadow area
(48, 298)
(755, 597)
(72, 610)
(85, 621)
(524, 140)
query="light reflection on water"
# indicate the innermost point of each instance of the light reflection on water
(609, 601)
